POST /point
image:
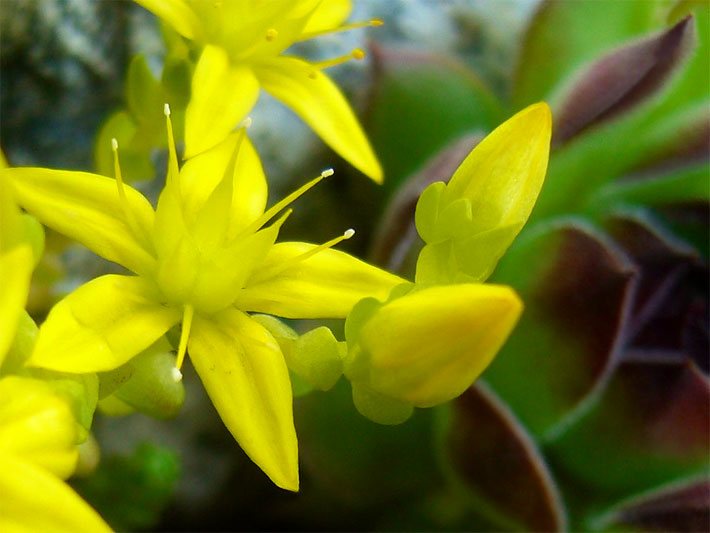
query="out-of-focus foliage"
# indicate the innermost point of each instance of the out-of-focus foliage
(131, 491)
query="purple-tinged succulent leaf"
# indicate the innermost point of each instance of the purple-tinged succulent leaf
(679, 507)
(690, 145)
(670, 303)
(576, 287)
(397, 233)
(562, 36)
(492, 455)
(650, 427)
(622, 79)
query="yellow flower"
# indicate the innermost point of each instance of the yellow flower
(242, 45)
(37, 449)
(205, 257)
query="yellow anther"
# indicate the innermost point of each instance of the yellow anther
(271, 34)
(357, 53)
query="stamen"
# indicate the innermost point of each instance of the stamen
(131, 220)
(271, 34)
(246, 123)
(372, 23)
(357, 54)
(188, 313)
(276, 208)
(285, 265)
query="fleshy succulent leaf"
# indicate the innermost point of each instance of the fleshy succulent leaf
(576, 286)
(491, 454)
(622, 79)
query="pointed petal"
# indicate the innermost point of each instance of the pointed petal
(328, 15)
(241, 366)
(503, 175)
(87, 208)
(201, 174)
(318, 101)
(15, 273)
(34, 500)
(326, 285)
(222, 95)
(178, 14)
(101, 325)
(36, 425)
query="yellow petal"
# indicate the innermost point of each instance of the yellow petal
(86, 207)
(36, 425)
(244, 373)
(15, 273)
(222, 95)
(319, 102)
(10, 217)
(328, 15)
(427, 347)
(201, 174)
(503, 175)
(34, 500)
(101, 325)
(265, 29)
(326, 285)
(178, 14)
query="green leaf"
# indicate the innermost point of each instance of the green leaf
(424, 102)
(576, 289)
(685, 185)
(647, 429)
(144, 95)
(131, 491)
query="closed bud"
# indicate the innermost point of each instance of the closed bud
(468, 223)
(428, 346)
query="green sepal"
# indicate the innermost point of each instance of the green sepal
(427, 211)
(152, 389)
(378, 407)
(360, 314)
(314, 358)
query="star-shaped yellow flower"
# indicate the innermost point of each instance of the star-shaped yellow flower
(242, 51)
(205, 257)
